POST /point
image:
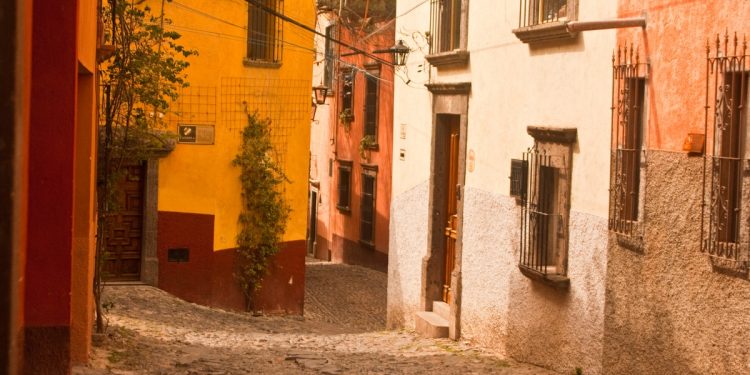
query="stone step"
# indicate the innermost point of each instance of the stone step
(431, 325)
(442, 309)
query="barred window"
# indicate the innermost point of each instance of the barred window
(725, 231)
(344, 185)
(538, 12)
(445, 25)
(367, 214)
(628, 94)
(539, 250)
(330, 57)
(372, 88)
(347, 92)
(264, 32)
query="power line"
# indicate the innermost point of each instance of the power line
(310, 29)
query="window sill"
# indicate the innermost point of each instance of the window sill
(456, 59)
(260, 64)
(556, 281)
(544, 32)
(344, 210)
(631, 242)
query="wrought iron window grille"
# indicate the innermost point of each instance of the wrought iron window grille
(725, 232)
(344, 186)
(445, 25)
(518, 177)
(539, 12)
(265, 33)
(540, 222)
(628, 105)
(367, 207)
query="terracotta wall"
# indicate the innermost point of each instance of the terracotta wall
(667, 309)
(345, 226)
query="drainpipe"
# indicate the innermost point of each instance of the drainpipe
(578, 26)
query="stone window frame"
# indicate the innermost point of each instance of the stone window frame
(559, 144)
(546, 31)
(458, 57)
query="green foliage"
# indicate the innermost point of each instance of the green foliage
(365, 143)
(264, 209)
(139, 80)
(346, 117)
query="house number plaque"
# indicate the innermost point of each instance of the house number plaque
(195, 134)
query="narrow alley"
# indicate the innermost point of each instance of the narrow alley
(152, 332)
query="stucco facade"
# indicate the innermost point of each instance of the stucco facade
(652, 302)
(48, 145)
(339, 236)
(198, 184)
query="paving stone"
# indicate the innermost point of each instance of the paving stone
(343, 332)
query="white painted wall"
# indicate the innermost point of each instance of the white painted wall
(513, 86)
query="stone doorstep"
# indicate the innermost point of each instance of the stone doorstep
(431, 325)
(441, 308)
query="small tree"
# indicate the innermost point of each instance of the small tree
(140, 79)
(264, 208)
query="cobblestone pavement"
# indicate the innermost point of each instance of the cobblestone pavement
(152, 332)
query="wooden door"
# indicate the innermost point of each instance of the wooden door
(312, 228)
(123, 239)
(451, 227)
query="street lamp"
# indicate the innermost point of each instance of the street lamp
(400, 52)
(320, 94)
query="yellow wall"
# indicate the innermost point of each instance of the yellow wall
(201, 179)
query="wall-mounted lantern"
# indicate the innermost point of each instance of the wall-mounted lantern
(313, 109)
(400, 52)
(320, 92)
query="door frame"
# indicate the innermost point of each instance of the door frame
(312, 221)
(448, 99)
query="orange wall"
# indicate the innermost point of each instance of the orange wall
(347, 142)
(674, 42)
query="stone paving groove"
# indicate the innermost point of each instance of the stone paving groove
(152, 332)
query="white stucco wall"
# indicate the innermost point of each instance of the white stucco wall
(513, 86)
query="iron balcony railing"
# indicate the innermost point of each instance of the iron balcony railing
(537, 12)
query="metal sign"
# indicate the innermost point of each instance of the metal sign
(195, 134)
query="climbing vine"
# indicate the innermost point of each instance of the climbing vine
(264, 209)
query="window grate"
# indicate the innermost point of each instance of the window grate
(367, 208)
(445, 25)
(265, 32)
(538, 12)
(724, 229)
(540, 219)
(628, 94)
(344, 185)
(371, 104)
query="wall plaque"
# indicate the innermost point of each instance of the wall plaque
(195, 134)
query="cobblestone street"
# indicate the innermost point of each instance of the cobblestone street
(151, 332)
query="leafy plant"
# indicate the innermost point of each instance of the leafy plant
(366, 143)
(346, 117)
(265, 210)
(139, 80)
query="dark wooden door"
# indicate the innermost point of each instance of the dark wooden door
(451, 228)
(312, 228)
(123, 239)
